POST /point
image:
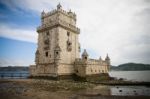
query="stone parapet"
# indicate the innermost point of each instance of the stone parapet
(59, 23)
(91, 62)
(69, 14)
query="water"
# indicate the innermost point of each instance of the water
(115, 90)
(131, 75)
(13, 74)
(130, 90)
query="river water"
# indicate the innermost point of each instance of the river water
(114, 90)
(131, 76)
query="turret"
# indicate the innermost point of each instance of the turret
(107, 59)
(42, 16)
(37, 56)
(43, 12)
(59, 6)
(100, 59)
(85, 55)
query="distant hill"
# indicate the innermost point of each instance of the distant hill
(131, 67)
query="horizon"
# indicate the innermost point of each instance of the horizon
(119, 28)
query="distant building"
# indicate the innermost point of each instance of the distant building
(58, 51)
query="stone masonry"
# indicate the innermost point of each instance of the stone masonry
(58, 51)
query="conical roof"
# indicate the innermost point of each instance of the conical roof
(59, 6)
(107, 57)
(85, 53)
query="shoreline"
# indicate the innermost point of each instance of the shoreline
(50, 89)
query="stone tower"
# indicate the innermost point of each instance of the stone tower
(58, 45)
(58, 52)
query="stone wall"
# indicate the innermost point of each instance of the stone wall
(90, 67)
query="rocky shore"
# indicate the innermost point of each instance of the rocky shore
(51, 89)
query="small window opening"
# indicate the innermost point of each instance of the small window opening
(56, 53)
(77, 71)
(85, 57)
(47, 33)
(68, 33)
(46, 54)
(69, 44)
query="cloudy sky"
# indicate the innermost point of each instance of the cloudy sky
(120, 28)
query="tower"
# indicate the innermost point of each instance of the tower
(58, 51)
(58, 45)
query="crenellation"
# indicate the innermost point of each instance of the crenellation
(49, 14)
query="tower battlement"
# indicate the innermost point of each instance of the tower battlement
(66, 13)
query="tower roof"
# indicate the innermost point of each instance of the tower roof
(85, 53)
(100, 58)
(59, 6)
(107, 57)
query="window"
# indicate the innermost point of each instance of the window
(56, 53)
(68, 33)
(47, 33)
(46, 54)
(85, 57)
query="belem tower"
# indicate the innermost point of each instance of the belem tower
(58, 51)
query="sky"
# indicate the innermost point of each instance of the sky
(120, 28)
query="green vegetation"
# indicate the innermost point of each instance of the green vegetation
(131, 67)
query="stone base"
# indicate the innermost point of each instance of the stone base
(96, 77)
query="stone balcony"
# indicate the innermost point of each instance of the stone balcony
(59, 23)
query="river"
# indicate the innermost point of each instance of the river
(131, 75)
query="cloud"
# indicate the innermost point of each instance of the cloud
(118, 27)
(17, 33)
